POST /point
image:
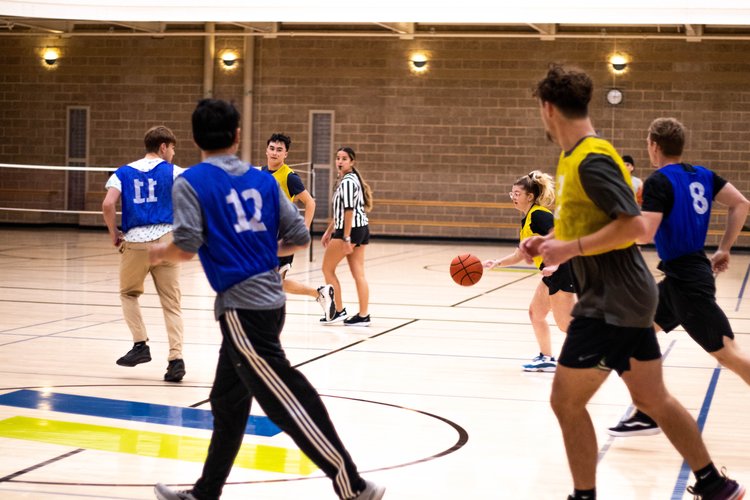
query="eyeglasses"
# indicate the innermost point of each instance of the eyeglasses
(515, 194)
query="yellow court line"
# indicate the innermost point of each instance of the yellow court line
(151, 444)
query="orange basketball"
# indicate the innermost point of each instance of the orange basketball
(466, 269)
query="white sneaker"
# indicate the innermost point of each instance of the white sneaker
(326, 296)
(165, 493)
(284, 269)
(371, 492)
(541, 363)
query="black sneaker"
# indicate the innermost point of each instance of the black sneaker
(137, 355)
(175, 371)
(337, 318)
(724, 489)
(638, 424)
(357, 320)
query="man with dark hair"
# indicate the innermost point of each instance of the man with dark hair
(597, 222)
(636, 181)
(233, 217)
(677, 203)
(146, 190)
(277, 149)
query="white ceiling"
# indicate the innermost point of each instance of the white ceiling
(690, 19)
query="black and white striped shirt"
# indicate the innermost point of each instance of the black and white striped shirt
(349, 195)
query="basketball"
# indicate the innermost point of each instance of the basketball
(466, 269)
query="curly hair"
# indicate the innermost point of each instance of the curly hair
(569, 89)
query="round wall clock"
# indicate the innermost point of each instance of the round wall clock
(614, 96)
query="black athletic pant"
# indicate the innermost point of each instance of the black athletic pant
(252, 364)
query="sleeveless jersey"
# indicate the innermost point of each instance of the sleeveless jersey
(146, 196)
(576, 214)
(526, 231)
(281, 175)
(684, 230)
(241, 215)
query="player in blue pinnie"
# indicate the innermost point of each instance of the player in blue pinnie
(231, 214)
(677, 201)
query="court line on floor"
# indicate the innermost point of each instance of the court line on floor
(368, 261)
(492, 290)
(461, 440)
(45, 323)
(40, 465)
(54, 334)
(684, 475)
(742, 288)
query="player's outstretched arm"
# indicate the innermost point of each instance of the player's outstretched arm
(168, 252)
(508, 260)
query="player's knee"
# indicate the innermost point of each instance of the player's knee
(535, 314)
(729, 355)
(562, 404)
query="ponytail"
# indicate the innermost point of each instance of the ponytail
(366, 191)
(540, 185)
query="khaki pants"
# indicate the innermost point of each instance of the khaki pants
(134, 266)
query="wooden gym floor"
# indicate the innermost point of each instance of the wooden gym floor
(430, 400)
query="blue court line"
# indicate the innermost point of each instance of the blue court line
(684, 476)
(133, 411)
(742, 288)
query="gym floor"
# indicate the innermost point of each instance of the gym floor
(430, 399)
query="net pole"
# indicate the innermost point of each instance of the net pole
(312, 221)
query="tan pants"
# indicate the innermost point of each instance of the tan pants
(134, 266)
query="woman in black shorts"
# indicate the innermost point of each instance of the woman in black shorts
(347, 236)
(531, 195)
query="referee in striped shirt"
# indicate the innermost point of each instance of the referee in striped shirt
(347, 236)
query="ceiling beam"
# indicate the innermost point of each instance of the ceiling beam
(257, 27)
(547, 31)
(54, 27)
(406, 30)
(144, 27)
(694, 32)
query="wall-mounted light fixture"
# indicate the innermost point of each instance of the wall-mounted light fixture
(418, 62)
(50, 56)
(229, 59)
(618, 63)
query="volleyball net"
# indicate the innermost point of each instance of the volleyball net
(72, 195)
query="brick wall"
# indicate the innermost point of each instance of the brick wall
(440, 149)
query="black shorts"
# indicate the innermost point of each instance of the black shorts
(360, 235)
(592, 343)
(560, 280)
(692, 304)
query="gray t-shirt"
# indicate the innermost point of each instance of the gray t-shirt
(615, 286)
(260, 292)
